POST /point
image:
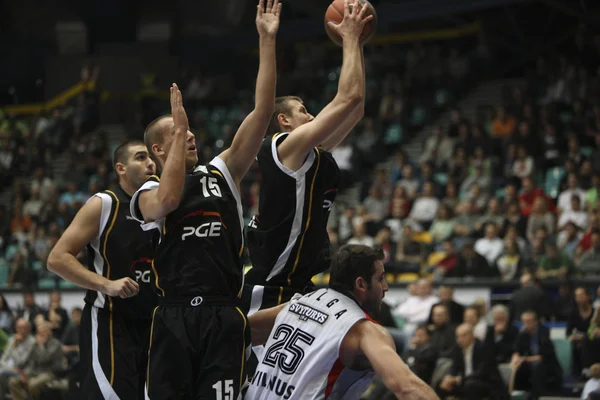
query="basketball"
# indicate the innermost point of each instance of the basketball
(335, 13)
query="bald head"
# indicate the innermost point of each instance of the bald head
(464, 335)
(23, 327)
(154, 132)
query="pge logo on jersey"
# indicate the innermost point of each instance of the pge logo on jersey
(209, 229)
(306, 312)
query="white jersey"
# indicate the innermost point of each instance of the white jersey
(301, 358)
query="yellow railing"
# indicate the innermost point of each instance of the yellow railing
(61, 99)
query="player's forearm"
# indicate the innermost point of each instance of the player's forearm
(172, 180)
(266, 81)
(67, 267)
(351, 84)
(418, 391)
(355, 115)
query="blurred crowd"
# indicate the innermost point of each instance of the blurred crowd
(514, 190)
(39, 348)
(472, 352)
(40, 205)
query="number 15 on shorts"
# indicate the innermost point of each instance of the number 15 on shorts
(224, 390)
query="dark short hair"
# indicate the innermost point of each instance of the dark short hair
(423, 327)
(282, 106)
(353, 261)
(120, 154)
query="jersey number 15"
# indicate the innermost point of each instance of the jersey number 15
(210, 186)
(286, 352)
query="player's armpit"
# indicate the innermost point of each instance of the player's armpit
(262, 322)
(62, 259)
(377, 345)
(293, 150)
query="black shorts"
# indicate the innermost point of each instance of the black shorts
(257, 297)
(113, 354)
(198, 352)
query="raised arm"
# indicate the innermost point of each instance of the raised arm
(301, 140)
(63, 257)
(339, 134)
(159, 201)
(248, 138)
(378, 346)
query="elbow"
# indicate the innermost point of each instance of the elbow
(53, 262)
(355, 99)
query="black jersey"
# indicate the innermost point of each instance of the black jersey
(287, 240)
(121, 249)
(201, 242)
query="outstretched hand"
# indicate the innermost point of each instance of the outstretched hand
(267, 19)
(354, 20)
(180, 119)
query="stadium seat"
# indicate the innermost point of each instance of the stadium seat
(508, 375)
(394, 134)
(552, 183)
(563, 353)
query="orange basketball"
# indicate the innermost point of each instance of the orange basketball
(335, 13)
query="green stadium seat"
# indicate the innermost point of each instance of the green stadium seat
(393, 135)
(552, 183)
(564, 354)
(46, 283)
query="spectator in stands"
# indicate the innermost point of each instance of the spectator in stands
(451, 199)
(438, 148)
(476, 178)
(515, 218)
(7, 319)
(421, 355)
(465, 221)
(535, 358)
(493, 215)
(376, 206)
(501, 335)
(578, 324)
(360, 235)
(446, 265)
(443, 225)
(589, 264)
(416, 308)
(540, 217)
(408, 181)
(44, 363)
(593, 384)
(555, 265)
(442, 330)
(528, 195)
(478, 197)
(490, 246)
(510, 263)
(593, 193)
(576, 215)
(524, 165)
(564, 303)
(473, 317)
(528, 297)
(409, 252)
(70, 339)
(456, 310)
(16, 354)
(30, 309)
(565, 197)
(591, 343)
(503, 125)
(474, 374)
(425, 206)
(471, 264)
(568, 240)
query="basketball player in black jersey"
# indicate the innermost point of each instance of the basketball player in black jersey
(199, 335)
(287, 240)
(115, 325)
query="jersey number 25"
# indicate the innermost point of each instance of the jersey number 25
(286, 352)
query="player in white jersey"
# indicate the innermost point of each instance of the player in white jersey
(323, 345)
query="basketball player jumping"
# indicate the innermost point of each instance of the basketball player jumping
(115, 327)
(323, 345)
(199, 336)
(287, 240)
